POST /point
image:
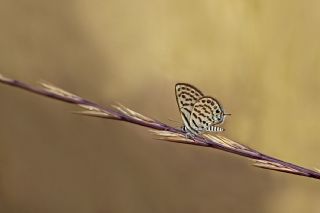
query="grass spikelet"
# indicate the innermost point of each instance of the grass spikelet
(173, 137)
(274, 166)
(225, 142)
(95, 112)
(59, 92)
(5, 79)
(132, 113)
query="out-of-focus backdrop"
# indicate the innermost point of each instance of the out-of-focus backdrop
(259, 58)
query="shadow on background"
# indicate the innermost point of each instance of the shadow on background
(260, 59)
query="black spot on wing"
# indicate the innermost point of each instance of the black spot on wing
(194, 123)
(201, 114)
(185, 119)
(205, 110)
(195, 115)
(187, 110)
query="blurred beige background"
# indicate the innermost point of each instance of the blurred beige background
(259, 58)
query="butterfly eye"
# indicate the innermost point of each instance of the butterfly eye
(217, 111)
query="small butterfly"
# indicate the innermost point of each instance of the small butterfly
(199, 113)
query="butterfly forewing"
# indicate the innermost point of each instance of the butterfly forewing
(186, 96)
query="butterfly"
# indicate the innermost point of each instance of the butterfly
(199, 113)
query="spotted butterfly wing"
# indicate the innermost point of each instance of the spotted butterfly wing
(206, 113)
(187, 96)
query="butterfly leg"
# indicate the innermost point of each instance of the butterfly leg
(189, 134)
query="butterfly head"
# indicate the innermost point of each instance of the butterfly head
(219, 115)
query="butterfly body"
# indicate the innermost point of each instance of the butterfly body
(199, 113)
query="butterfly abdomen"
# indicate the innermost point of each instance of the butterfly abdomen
(215, 129)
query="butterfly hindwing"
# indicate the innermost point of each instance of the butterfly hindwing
(205, 113)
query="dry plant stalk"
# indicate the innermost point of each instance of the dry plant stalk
(162, 131)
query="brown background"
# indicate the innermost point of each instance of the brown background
(259, 58)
